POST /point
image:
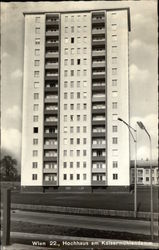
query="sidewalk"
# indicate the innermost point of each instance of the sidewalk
(67, 242)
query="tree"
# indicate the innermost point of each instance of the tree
(8, 169)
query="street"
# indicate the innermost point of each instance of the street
(98, 223)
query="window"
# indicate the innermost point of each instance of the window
(71, 152)
(65, 118)
(72, 51)
(71, 176)
(36, 73)
(72, 95)
(36, 96)
(84, 39)
(78, 72)
(65, 141)
(35, 141)
(78, 106)
(115, 176)
(65, 95)
(65, 84)
(78, 176)
(71, 141)
(147, 171)
(78, 140)
(84, 50)
(66, 18)
(78, 152)
(72, 61)
(84, 118)
(84, 106)
(37, 30)
(71, 118)
(114, 140)
(72, 18)
(66, 51)
(71, 129)
(37, 41)
(114, 82)
(78, 28)
(85, 61)
(84, 28)
(114, 49)
(65, 176)
(71, 164)
(84, 152)
(37, 19)
(72, 106)
(36, 62)
(84, 83)
(114, 71)
(84, 72)
(114, 60)
(66, 29)
(78, 95)
(71, 84)
(84, 176)
(72, 29)
(78, 129)
(66, 62)
(84, 140)
(78, 39)
(36, 107)
(65, 164)
(36, 85)
(115, 117)
(115, 164)
(78, 61)
(84, 129)
(34, 177)
(114, 93)
(72, 39)
(84, 95)
(35, 152)
(65, 152)
(78, 164)
(114, 26)
(35, 118)
(114, 38)
(72, 72)
(37, 52)
(34, 164)
(66, 39)
(78, 50)
(114, 105)
(115, 152)
(115, 128)
(65, 129)
(78, 117)
(147, 178)
(65, 72)
(78, 84)
(84, 164)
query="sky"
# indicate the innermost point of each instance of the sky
(143, 68)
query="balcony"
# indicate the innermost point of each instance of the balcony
(98, 158)
(98, 146)
(50, 170)
(98, 170)
(52, 44)
(50, 158)
(52, 32)
(50, 135)
(98, 134)
(98, 88)
(51, 146)
(98, 183)
(100, 111)
(98, 52)
(51, 65)
(52, 54)
(98, 98)
(98, 31)
(51, 112)
(51, 100)
(98, 20)
(51, 89)
(98, 122)
(98, 64)
(49, 183)
(51, 76)
(50, 123)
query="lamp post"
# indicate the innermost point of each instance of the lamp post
(135, 167)
(141, 125)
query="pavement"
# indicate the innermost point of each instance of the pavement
(61, 242)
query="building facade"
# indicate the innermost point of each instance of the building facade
(76, 85)
(143, 172)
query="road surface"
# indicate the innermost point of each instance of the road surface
(87, 222)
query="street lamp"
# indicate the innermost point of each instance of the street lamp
(135, 168)
(141, 125)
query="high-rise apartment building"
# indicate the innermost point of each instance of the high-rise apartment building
(75, 87)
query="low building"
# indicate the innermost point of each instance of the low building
(143, 172)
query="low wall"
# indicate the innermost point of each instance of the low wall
(84, 211)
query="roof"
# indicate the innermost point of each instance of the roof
(78, 11)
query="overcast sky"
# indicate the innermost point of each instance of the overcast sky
(143, 53)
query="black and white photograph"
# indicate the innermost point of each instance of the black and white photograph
(79, 125)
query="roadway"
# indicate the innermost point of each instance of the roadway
(87, 222)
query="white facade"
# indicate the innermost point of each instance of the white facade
(72, 39)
